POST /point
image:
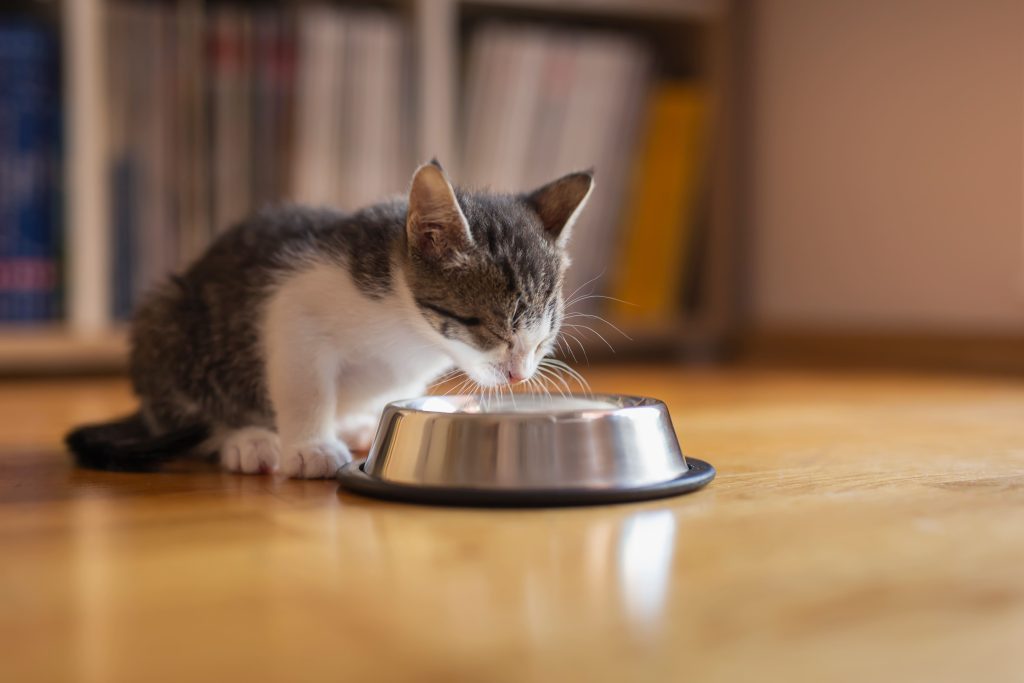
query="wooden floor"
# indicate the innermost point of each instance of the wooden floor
(861, 528)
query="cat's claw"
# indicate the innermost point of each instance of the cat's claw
(316, 460)
(252, 450)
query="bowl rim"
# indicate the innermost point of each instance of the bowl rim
(352, 478)
(633, 402)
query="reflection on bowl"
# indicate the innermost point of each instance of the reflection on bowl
(526, 449)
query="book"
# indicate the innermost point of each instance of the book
(352, 147)
(613, 77)
(542, 102)
(320, 53)
(30, 179)
(662, 204)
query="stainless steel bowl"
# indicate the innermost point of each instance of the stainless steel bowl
(525, 449)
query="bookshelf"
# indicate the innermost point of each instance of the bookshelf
(90, 340)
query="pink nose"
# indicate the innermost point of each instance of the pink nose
(514, 377)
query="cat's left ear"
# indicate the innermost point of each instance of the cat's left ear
(435, 225)
(560, 202)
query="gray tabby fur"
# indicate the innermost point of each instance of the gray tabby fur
(198, 353)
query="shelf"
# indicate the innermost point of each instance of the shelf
(56, 350)
(658, 9)
(86, 344)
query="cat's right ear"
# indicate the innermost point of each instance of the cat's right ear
(435, 225)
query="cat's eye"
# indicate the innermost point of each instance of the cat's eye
(468, 321)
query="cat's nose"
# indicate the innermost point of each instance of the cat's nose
(515, 376)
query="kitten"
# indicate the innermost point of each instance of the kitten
(280, 346)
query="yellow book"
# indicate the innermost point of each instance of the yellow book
(661, 206)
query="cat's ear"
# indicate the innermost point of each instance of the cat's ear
(559, 203)
(436, 227)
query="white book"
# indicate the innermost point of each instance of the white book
(148, 151)
(243, 199)
(372, 116)
(194, 172)
(549, 122)
(316, 130)
(541, 103)
(228, 127)
(474, 124)
(529, 50)
(337, 142)
(115, 68)
(361, 156)
(601, 97)
(394, 171)
(496, 53)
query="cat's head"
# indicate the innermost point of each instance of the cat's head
(486, 270)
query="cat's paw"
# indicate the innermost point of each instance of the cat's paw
(252, 450)
(357, 431)
(315, 460)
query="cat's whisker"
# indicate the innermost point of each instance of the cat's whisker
(542, 383)
(563, 382)
(566, 349)
(551, 383)
(591, 329)
(576, 291)
(597, 317)
(579, 343)
(453, 388)
(571, 371)
(446, 377)
(467, 387)
(449, 373)
(600, 296)
(555, 377)
(560, 372)
(534, 385)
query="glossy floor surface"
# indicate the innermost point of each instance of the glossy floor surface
(860, 528)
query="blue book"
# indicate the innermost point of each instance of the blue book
(30, 171)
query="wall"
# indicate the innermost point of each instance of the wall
(887, 165)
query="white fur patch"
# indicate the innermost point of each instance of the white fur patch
(335, 355)
(357, 431)
(317, 460)
(253, 450)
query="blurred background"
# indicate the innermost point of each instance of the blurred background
(778, 181)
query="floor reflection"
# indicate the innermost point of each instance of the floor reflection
(646, 547)
(533, 572)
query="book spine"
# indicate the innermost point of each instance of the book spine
(29, 169)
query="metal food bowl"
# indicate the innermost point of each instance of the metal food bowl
(525, 450)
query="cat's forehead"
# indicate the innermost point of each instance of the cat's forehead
(509, 242)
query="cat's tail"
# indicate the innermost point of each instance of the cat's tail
(127, 444)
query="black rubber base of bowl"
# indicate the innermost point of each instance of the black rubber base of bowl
(355, 480)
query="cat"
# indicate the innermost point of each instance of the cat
(279, 347)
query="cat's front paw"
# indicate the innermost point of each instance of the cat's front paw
(315, 460)
(252, 450)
